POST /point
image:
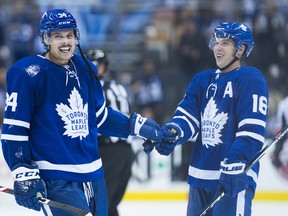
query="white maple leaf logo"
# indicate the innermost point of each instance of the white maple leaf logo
(212, 124)
(75, 117)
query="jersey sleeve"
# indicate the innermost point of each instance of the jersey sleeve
(251, 111)
(16, 124)
(114, 123)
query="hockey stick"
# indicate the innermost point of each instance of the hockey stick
(248, 167)
(52, 203)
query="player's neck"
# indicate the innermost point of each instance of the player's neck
(56, 60)
(232, 67)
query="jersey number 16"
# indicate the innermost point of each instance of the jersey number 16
(260, 104)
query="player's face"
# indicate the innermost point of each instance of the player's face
(101, 70)
(224, 53)
(62, 46)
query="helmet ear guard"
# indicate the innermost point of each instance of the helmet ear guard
(45, 39)
(77, 36)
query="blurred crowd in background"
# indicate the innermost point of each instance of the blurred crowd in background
(155, 47)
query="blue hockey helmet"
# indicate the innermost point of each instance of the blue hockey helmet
(56, 20)
(239, 32)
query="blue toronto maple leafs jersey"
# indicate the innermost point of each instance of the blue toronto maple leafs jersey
(52, 117)
(226, 113)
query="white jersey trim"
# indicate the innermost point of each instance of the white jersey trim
(214, 174)
(16, 123)
(252, 121)
(240, 206)
(75, 168)
(14, 137)
(189, 123)
(189, 115)
(253, 175)
(103, 118)
(204, 174)
(98, 113)
(251, 134)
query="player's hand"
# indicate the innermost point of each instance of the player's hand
(28, 186)
(173, 134)
(166, 146)
(148, 146)
(162, 148)
(145, 127)
(233, 178)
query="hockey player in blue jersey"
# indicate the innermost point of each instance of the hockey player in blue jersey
(225, 110)
(54, 110)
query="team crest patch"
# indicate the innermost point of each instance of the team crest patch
(32, 70)
(74, 115)
(212, 124)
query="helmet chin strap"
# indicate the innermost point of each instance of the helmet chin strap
(86, 62)
(232, 62)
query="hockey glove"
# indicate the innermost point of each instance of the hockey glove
(166, 146)
(145, 127)
(233, 178)
(173, 133)
(148, 146)
(172, 136)
(27, 186)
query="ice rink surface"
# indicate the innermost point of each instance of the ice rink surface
(8, 207)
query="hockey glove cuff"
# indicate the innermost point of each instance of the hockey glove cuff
(145, 127)
(233, 178)
(27, 186)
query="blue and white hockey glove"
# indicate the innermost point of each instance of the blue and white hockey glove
(27, 186)
(233, 178)
(173, 133)
(172, 136)
(145, 127)
(166, 146)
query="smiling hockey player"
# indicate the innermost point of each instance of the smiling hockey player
(54, 110)
(225, 110)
